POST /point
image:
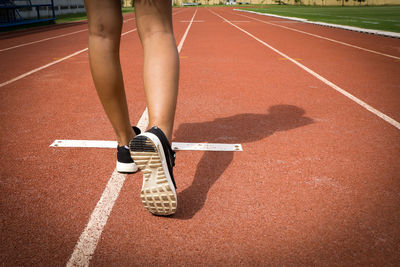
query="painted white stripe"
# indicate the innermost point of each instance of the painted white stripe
(125, 33)
(192, 21)
(318, 36)
(186, 33)
(370, 22)
(351, 28)
(143, 121)
(89, 238)
(50, 38)
(316, 75)
(50, 64)
(57, 61)
(129, 19)
(42, 67)
(87, 243)
(42, 40)
(175, 145)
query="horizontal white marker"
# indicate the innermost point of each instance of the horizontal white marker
(175, 145)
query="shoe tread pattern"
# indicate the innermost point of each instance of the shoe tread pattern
(156, 194)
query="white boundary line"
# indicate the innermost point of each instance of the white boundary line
(51, 64)
(59, 60)
(351, 28)
(186, 32)
(87, 243)
(315, 35)
(42, 40)
(319, 77)
(42, 67)
(50, 38)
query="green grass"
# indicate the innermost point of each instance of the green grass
(386, 18)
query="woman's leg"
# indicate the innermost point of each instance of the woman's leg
(105, 23)
(161, 62)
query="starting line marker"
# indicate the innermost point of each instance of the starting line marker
(175, 145)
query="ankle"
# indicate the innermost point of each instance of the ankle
(165, 129)
(123, 139)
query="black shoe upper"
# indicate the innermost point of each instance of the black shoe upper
(123, 154)
(169, 153)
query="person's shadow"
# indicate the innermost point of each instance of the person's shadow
(241, 128)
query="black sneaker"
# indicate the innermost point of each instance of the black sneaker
(125, 163)
(153, 154)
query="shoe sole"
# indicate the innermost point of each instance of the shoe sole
(158, 192)
(126, 167)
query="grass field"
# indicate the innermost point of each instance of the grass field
(386, 18)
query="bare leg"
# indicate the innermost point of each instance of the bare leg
(161, 62)
(105, 23)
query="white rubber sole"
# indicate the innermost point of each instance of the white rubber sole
(158, 192)
(127, 167)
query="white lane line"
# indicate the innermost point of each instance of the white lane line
(50, 64)
(88, 240)
(49, 38)
(42, 67)
(42, 40)
(321, 37)
(316, 75)
(59, 60)
(87, 243)
(370, 22)
(192, 21)
(186, 32)
(175, 145)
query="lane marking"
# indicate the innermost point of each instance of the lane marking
(351, 28)
(51, 64)
(60, 60)
(186, 33)
(42, 40)
(50, 38)
(298, 59)
(42, 67)
(316, 75)
(88, 240)
(192, 21)
(321, 37)
(175, 145)
(370, 22)
(87, 243)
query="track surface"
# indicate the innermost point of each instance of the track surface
(317, 183)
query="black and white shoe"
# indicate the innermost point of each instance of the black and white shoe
(153, 155)
(125, 163)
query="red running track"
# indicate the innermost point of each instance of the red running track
(316, 184)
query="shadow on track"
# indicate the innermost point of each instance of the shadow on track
(241, 128)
